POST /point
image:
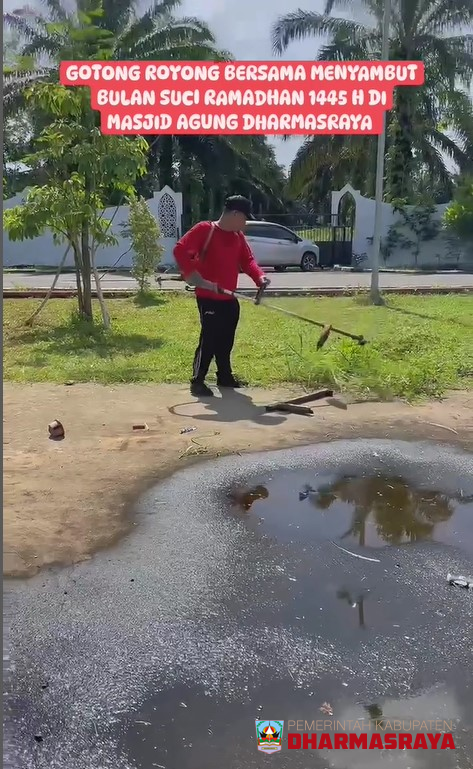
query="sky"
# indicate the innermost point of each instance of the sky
(244, 28)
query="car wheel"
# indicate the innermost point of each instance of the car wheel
(280, 268)
(309, 262)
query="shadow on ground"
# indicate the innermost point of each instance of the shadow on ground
(425, 316)
(78, 338)
(232, 406)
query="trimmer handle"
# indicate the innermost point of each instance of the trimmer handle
(260, 292)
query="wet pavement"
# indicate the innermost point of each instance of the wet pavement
(241, 596)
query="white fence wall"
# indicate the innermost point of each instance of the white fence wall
(432, 253)
(166, 205)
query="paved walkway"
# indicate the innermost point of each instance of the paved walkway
(282, 281)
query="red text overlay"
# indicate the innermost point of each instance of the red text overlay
(373, 741)
(299, 98)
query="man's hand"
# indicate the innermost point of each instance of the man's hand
(262, 285)
(196, 279)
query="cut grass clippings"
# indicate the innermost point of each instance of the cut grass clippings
(419, 346)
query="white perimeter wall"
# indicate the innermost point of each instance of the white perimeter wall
(166, 205)
(433, 253)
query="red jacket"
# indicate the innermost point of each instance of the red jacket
(227, 254)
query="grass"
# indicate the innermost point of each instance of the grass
(420, 346)
(315, 234)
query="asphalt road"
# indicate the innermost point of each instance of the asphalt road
(288, 280)
(164, 651)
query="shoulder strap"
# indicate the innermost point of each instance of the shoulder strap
(207, 242)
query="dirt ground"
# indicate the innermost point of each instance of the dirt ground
(65, 500)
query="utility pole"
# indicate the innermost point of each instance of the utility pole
(376, 297)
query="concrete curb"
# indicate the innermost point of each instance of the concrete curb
(40, 293)
(51, 271)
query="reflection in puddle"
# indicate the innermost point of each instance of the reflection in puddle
(210, 734)
(435, 710)
(355, 603)
(367, 510)
(244, 498)
(387, 509)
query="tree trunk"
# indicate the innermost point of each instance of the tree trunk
(29, 321)
(361, 612)
(78, 273)
(186, 170)
(206, 202)
(218, 200)
(400, 158)
(166, 158)
(103, 306)
(86, 309)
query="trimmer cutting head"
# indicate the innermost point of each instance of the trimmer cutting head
(326, 333)
(323, 337)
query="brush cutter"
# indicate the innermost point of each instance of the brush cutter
(196, 280)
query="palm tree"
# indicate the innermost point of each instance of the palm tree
(220, 164)
(400, 512)
(426, 124)
(324, 163)
(61, 33)
(346, 595)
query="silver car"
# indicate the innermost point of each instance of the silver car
(274, 245)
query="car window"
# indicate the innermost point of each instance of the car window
(280, 233)
(268, 230)
(253, 232)
(259, 231)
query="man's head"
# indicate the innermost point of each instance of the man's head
(236, 212)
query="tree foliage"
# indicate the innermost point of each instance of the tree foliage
(84, 166)
(429, 129)
(147, 250)
(220, 164)
(458, 218)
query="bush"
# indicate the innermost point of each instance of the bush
(147, 250)
(458, 218)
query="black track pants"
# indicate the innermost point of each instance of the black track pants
(218, 322)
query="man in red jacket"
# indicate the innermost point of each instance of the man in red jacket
(211, 255)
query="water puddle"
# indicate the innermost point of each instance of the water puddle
(184, 728)
(367, 510)
(239, 599)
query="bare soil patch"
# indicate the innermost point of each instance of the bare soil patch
(65, 500)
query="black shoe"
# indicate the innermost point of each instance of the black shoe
(231, 382)
(200, 390)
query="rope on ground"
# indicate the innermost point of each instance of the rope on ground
(195, 448)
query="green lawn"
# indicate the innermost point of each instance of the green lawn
(315, 234)
(419, 345)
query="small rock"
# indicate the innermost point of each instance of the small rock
(56, 430)
(459, 581)
(142, 426)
